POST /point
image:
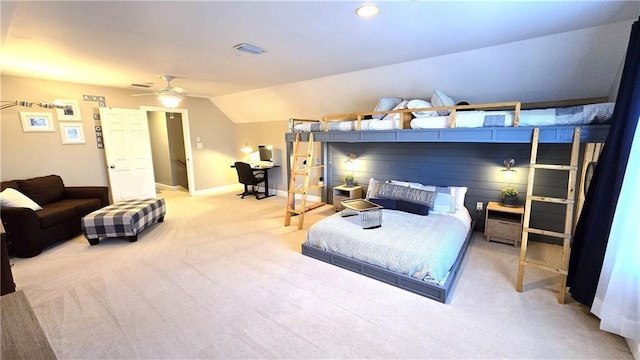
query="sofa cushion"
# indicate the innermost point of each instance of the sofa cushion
(56, 213)
(43, 190)
(82, 206)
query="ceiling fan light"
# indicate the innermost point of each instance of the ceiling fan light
(169, 101)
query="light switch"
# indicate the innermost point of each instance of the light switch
(199, 145)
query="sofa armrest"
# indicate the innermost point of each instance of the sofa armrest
(23, 231)
(88, 192)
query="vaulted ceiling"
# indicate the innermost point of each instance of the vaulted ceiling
(116, 43)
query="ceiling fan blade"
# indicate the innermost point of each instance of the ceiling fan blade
(146, 94)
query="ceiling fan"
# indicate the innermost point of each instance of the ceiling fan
(168, 95)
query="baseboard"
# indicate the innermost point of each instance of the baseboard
(170, 187)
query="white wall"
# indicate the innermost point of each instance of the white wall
(577, 64)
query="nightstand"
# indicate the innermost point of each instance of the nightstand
(344, 192)
(503, 223)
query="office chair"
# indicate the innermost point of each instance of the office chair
(247, 177)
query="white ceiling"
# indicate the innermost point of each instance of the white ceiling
(116, 43)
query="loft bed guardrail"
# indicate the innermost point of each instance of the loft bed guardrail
(464, 123)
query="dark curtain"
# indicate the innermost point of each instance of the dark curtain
(593, 227)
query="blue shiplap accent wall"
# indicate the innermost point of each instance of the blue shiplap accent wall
(476, 166)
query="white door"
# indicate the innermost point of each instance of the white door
(127, 148)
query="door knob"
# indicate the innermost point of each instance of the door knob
(112, 167)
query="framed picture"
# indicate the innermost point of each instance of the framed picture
(71, 111)
(72, 133)
(36, 122)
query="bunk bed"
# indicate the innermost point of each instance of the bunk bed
(516, 127)
(505, 122)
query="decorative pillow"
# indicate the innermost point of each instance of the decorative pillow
(386, 103)
(43, 190)
(401, 205)
(391, 204)
(11, 197)
(441, 99)
(396, 116)
(445, 200)
(421, 104)
(418, 209)
(398, 192)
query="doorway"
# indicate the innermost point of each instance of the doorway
(171, 149)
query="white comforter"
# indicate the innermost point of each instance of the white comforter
(424, 247)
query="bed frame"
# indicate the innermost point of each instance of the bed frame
(504, 135)
(429, 290)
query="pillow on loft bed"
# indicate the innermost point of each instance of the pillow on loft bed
(396, 116)
(421, 104)
(386, 103)
(441, 99)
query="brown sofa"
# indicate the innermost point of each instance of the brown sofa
(29, 232)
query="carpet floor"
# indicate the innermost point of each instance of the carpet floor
(222, 278)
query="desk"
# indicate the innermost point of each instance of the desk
(265, 171)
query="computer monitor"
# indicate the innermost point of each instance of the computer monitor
(265, 153)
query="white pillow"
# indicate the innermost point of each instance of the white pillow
(421, 104)
(441, 99)
(396, 116)
(11, 197)
(386, 103)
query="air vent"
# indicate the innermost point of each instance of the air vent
(143, 85)
(248, 48)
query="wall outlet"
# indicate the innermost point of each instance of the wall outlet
(479, 205)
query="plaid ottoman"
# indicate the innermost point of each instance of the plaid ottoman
(125, 218)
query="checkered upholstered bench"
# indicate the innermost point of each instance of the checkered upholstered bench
(125, 218)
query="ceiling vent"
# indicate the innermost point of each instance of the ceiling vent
(143, 85)
(248, 48)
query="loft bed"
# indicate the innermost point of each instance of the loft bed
(505, 122)
(452, 128)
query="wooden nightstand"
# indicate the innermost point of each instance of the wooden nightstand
(503, 223)
(344, 192)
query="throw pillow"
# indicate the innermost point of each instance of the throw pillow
(421, 104)
(441, 99)
(418, 196)
(386, 103)
(11, 197)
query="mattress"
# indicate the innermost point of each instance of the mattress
(574, 115)
(423, 247)
(373, 124)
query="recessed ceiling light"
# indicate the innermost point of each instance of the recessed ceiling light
(367, 10)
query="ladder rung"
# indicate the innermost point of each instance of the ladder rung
(301, 192)
(550, 199)
(317, 166)
(300, 172)
(547, 233)
(553, 167)
(301, 155)
(544, 267)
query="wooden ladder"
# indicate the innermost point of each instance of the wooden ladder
(301, 167)
(572, 168)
